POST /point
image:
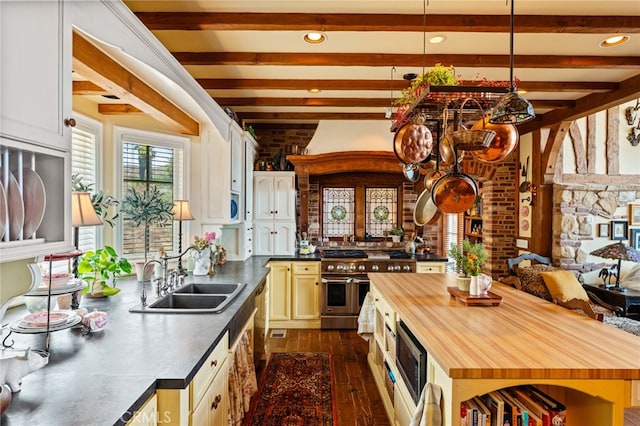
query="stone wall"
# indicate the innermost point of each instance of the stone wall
(576, 210)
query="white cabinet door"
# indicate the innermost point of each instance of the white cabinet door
(249, 159)
(35, 82)
(263, 238)
(284, 238)
(237, 160)
(263, 197)
(284, 198)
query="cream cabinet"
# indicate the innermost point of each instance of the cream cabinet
(306, 291)
(205, 400)
(237, 159)
(430, 267)
(147, 415)
(279, 292)
(294, 295)
(35, 141)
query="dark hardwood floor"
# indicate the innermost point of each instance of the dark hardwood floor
(357, 399)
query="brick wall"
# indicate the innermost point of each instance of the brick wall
(272, 140)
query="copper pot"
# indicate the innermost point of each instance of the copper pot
(454, 192)
(413, 142)
(501, 146)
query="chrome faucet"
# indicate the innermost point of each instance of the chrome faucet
(169, 281)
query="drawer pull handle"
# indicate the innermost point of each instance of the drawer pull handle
(216, 402)
(214, 362)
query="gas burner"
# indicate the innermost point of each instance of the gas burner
(343, 254)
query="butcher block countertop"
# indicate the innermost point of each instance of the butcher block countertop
(524, 337)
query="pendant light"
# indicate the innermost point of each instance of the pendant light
(512, 108)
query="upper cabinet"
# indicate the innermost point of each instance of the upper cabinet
(237, 159)
(35, 142)
(35, 82)
(274, 196)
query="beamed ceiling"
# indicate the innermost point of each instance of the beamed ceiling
(250, 55)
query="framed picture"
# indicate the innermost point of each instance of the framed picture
(619, 229)
(634, 239)
(603, 230)
(634, 214)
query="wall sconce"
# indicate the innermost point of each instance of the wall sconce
(181, 211)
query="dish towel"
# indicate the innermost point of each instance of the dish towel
(366, 318)
(428, 411)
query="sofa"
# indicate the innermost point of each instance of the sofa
(536, 275)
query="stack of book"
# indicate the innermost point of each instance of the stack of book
(514, 406)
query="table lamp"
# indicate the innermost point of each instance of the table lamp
(620, 251)
(181, 211)
(82, 214)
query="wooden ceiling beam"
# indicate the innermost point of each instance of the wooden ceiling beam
(629, 89)
(304, 84)
(409, 60)
(87, 88)
(212, 21)
(96, 66)
(310, 116)
(118, 109)
(352, 102)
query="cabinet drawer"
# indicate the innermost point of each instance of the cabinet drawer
(209, 369)
(430, 267)
(306, 268)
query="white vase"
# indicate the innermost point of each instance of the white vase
(396, 238)
(202, 260)
(473, 286)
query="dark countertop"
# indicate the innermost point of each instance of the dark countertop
(100, 379)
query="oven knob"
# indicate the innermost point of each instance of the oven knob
(390, 268)
(361, 268)
(340, 267)
(397, 268)
(330, 267)
(406, 268)
(352, 267)
(374, 267)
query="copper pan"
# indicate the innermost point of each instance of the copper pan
(503, 144)
(413, 142)
(454, 192)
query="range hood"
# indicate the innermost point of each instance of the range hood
(351, 135)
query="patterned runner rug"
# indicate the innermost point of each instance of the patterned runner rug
(297, 389)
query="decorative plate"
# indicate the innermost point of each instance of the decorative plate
(338, 213)
(39, 319)
(524, 211)
(381, 213)
(524, 225)
(16, 208)
(3, 210)
(35, 200)
(234, 209)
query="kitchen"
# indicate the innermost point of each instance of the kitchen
(206, 158)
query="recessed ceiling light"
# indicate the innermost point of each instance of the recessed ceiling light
(314, 90)
(315, 37)
(614, 41)
(437, 39)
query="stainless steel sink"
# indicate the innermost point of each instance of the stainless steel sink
(206, 288)
(195, 298)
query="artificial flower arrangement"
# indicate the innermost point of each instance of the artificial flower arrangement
(205, 241)
(469, 258)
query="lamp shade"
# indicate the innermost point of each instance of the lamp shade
(619, 250)
(512, 109)
(181, 210)
(82, 211)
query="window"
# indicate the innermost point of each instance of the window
(381, 210)
(452, 234)
(150, 159)
(85, 146)
(338, 216)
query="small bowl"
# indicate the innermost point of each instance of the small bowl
(95, 320)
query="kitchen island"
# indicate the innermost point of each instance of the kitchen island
(592, 367)
(106, 377)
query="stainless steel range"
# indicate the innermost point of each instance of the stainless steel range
(345, 282)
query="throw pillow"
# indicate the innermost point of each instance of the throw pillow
(632, 279)
(564, 286)
(532, 282)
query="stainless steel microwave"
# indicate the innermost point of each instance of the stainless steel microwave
(411, 360)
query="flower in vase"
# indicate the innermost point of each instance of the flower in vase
(205, 241)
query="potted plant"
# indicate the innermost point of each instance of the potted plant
(396, 233)
(100, 268)
(469, 260)
(146, 207)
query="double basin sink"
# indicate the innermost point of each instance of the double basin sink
(195, 298)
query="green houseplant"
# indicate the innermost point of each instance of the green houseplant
(146, 207)
(469, 258)
(99, 268)
(396, 234)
